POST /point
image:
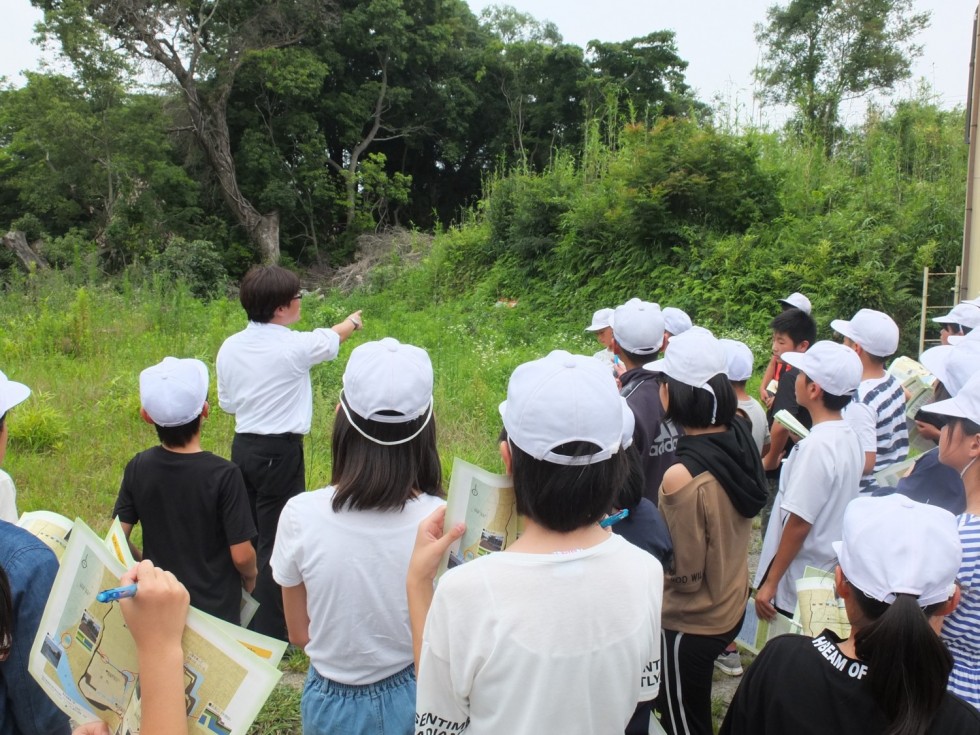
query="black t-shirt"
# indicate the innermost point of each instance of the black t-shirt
(192, 507)
(806, 686)
(655, 438)
(785, 399)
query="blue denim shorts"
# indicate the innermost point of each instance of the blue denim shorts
(386, 707)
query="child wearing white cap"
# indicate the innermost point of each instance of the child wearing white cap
(341, 552)
(29, 568)
(959, 447)
(897, 563)
(739, 369)
(877, 413)
(638, 331)
(601, 327)
(12, 394)
(795, 300)
(192, 504)
(819, 478)
(709, 498)
(560, 632)
(960, 321)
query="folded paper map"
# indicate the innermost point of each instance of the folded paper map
(85, 659)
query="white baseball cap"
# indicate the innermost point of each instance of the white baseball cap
(388, 381)
(797, 301)
(934, 360)
(973, 336)
(11, 393)
(676, 321)
(602, 319)
(893, 545)
(565, 398)
(965, 313)
(834, 367)
(874, 331)
(693, 359)
(739, 359)
(638, 327)
(964, 405)
(173, 392)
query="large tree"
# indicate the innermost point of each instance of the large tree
(820, 53)
(201, 45)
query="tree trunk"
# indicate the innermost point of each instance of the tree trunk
(17, 241)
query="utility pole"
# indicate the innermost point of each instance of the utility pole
(970, 272)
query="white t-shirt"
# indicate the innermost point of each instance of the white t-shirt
(354, 565)
(264, 377)
(820, 477)
(8, 498)
(542, 643)
(757, 417)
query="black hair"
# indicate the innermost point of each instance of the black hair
(693, 407)
(969, 428)
(908, 664)
(372, 476)
(738, 383)
(796, 324)
(564, 498)
(264, 289)
(830, 401)
(6, 615)
(635, 359)
(178, 436)
(3, 419)
(631, 491)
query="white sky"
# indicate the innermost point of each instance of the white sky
(714, 36)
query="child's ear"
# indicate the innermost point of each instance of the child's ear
(145, 416)
(506, 456)
(205, 410)
(803, 346)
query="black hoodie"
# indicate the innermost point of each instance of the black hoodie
(732, 458)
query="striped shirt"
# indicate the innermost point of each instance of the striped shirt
(884, 402)
(961, 629)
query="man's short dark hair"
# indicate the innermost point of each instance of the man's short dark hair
(797, 324)
(830, 401)
(264, 289)
(564, 498)
(690, 406)
(3, 419)
(372, 476)
(178, 436)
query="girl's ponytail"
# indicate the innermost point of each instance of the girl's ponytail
(908, 664)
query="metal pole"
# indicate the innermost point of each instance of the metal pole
(922, 316)
(970, 281)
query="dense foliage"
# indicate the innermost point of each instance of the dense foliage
(721, 224)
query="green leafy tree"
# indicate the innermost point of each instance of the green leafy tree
(200, 45)
(643, 74)
(819, 53)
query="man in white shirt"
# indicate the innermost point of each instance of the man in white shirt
(264, 380)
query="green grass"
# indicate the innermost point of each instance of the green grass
(81, 349)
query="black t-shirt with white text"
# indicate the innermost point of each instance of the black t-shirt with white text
(806, 686)
(192, 507)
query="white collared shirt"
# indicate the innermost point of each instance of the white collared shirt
(264, 377)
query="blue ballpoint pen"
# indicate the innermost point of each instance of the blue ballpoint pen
(615, 518)
(116, 593)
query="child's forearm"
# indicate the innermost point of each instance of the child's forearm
(794, 534)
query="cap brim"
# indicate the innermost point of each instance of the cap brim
(594, 328)
(14, 393)
(843, 327)
(945, 320)
(934, 360)
(657, 366)
(950, 407)
(794, 359)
